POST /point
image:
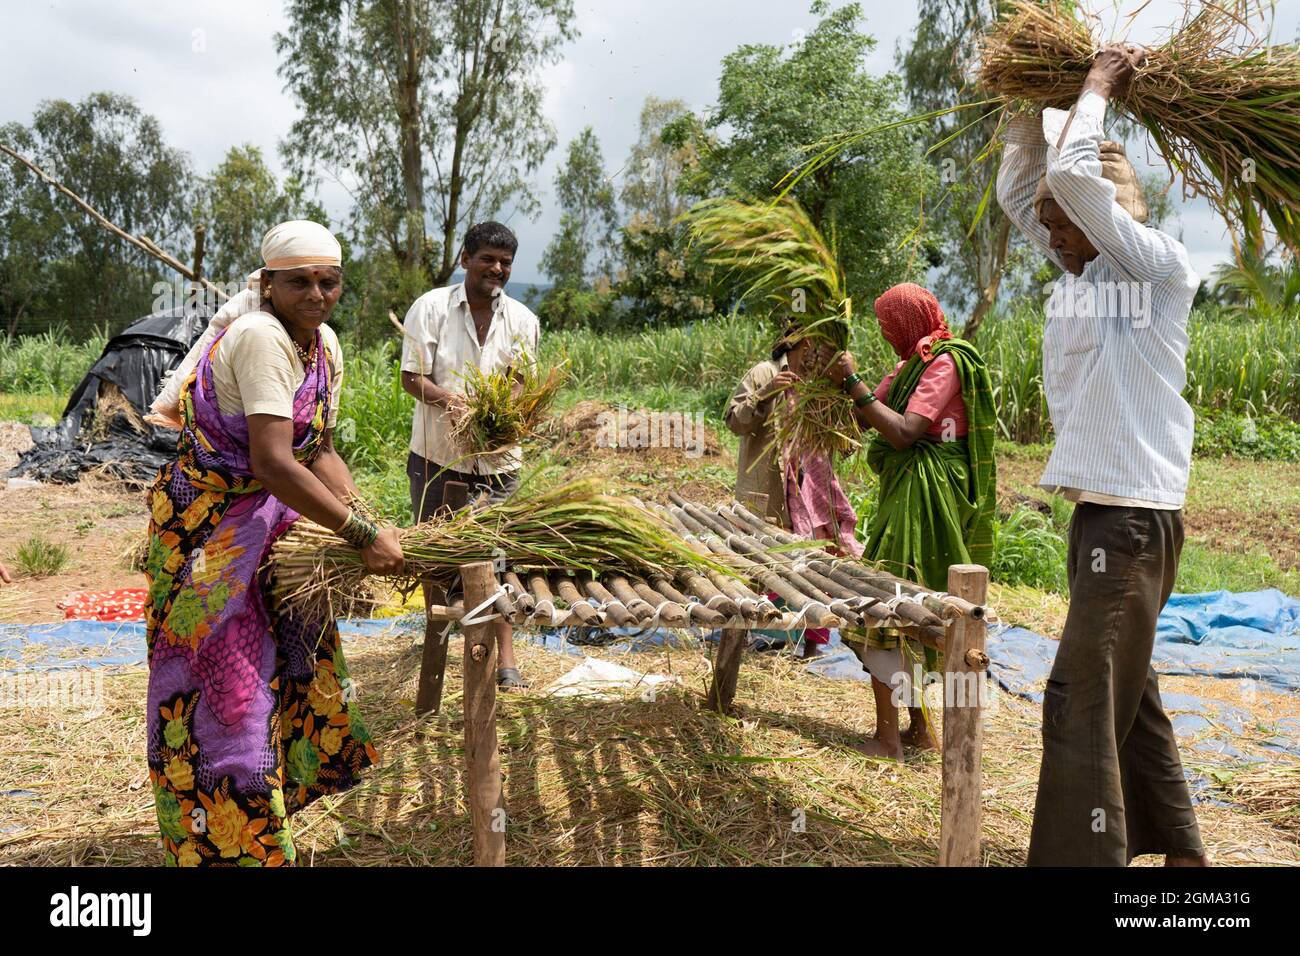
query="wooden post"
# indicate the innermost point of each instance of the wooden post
(433, 661)
(726, 668)
(483, 785)
(756, 501)
(964, 665)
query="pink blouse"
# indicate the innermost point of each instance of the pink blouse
(937, 397)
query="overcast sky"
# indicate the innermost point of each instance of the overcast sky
(207, 71)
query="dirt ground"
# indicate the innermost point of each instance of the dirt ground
(96, 520)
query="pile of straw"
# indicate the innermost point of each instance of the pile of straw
(505, 407)
(111, 405)
(1220, 103)
(781, 258)
(1271, 791)
(572, 526)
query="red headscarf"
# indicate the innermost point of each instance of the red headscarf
(911, 320)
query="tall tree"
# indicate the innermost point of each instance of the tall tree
(582, 251)
(653, 172)
(974, 235)
(238, 203)
(114, 156)
(662, 280)
(33, 235)
(774, 102)
(430, 111)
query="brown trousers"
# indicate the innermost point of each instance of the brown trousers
(1111, 786)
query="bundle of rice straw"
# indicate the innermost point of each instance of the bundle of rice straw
(781, 258)
(573, 526)
(506, 406)
(1222, 105)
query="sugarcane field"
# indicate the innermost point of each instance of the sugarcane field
(568, 435)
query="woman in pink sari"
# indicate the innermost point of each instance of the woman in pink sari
(250, 705)
(814, 500)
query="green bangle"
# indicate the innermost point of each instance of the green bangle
(865, 400)
(852, 379)
(358, 532)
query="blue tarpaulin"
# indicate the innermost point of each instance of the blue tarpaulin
(1221, 634)
(1242, 636)
(1254, 635)
(103, 644)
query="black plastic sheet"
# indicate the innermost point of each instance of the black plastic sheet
(136, 361)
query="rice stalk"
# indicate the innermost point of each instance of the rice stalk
(1221, 104)
(574, 526)
(1272, 792)
(506, 406)
(780, 256)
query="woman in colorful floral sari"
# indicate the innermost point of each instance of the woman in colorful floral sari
(249, 712)
(933, 450)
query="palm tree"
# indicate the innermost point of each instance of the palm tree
(1265, 286)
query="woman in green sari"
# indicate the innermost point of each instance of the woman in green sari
(933, 450)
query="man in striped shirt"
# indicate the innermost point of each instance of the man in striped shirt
(1111, 785)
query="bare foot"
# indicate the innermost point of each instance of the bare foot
(810, 651)
(878, 748)
(1187, 860)
(918, 735)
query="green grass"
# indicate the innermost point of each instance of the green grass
(1202, 569)
(1235, 366)
(39, 558)
(374, 427)
(51, 363)
(1221, 433)
(31, 409)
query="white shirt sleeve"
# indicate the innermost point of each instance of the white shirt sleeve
(420, 341)
(1024, 162)
(1074, 177)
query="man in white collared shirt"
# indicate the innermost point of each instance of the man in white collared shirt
(1111, 785)
(448, 329)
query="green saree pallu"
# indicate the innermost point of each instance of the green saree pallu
(937, 498)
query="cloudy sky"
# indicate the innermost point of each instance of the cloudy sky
(207, 71)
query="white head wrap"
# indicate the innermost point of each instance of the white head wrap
(290, 245)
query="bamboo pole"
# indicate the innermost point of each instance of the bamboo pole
(617, 612)
(883, 586)
(483, 783)
(671, 612)
(744, 601)
(757, 562)
(523, 599)
(963, 724)
(143, 243)
(579, 606)
(542, 594)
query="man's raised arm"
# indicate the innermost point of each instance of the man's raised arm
(1024, 162)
